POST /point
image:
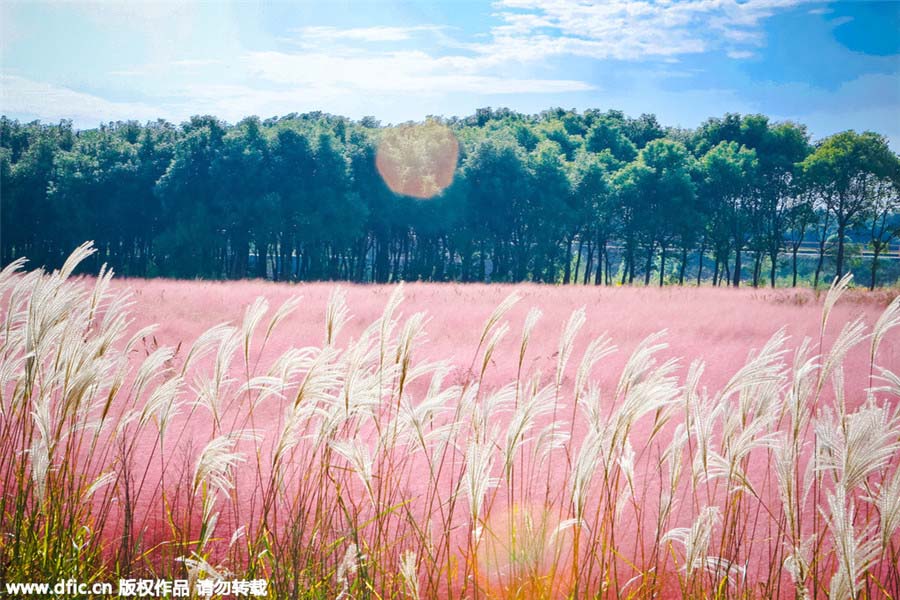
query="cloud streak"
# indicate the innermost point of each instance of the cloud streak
(634, 30)
(23, 96)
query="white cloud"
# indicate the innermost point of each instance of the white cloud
(362, 34)
(21, 96)
(395, 72)
(375, 70)
(530, 31)
(840, 21)
(632, 30)
(191, 63)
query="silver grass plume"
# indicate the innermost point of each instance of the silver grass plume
(252, 318)
(567, 343)
(856, 553)
(695, 539)
(409, 572)
(889, 319)
(864, 443)
(336, 315)
(837, 289)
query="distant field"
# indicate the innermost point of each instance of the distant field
(717, 325)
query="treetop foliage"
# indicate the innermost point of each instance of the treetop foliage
(561, 196)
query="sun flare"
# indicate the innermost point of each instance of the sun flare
(418, 160)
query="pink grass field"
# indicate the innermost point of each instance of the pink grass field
(721, 327)
(718, 326)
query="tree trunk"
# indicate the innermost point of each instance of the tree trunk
(684, 253)
(757, 266)
(588, 263)
(737, 267)
(794, 265)
(578, 261)
(840, 252)
(605, 258)
(819, 265)
(481, 263)
(649, 264)
(876, 250)
(262, 260)
(567, 273)
(662, 265)
(700, 262)
(727, 266)
(773, 268)
(715, 279)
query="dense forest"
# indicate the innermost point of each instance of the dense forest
(561, 197)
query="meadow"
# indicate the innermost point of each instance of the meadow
(451, 440)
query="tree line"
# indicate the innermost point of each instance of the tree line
(560, 197)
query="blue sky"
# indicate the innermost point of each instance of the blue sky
(830, 65)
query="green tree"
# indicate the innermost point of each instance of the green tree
(882, 219)
(846, 169)
(729, 174)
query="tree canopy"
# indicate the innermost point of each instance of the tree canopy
(558, 197)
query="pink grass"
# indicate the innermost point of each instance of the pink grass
(718, 326)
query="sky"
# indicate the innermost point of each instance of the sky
(830, 65)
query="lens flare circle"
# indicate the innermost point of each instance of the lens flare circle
(417, 160)
(524, 553)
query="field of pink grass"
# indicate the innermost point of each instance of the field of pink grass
(720, 327)
(345, 515)
(717, 325)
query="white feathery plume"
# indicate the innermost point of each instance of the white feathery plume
(99, 483)
(851, 334)
(864, 443)
(282, 313)
(218, 459)
(763, 367)
(537, 403)
(598, 349)
(162, 405)
(252, 317)
(889, 319)
(75, 258)
(856, 553)
(357, 454)
(625, 463)
(583, 471)
(567, 343)
(265, 386)
(837, 289)
(497, 314)
(695, 539)
(702, 424)
(346, 570)
(496, 336)
(893, 382)
(409, 570)
(888, 503)
(336, 315)
(531, 320)
(477, 477)
(801, 389)
(204, 344)
(672, 458)
(640, 362)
